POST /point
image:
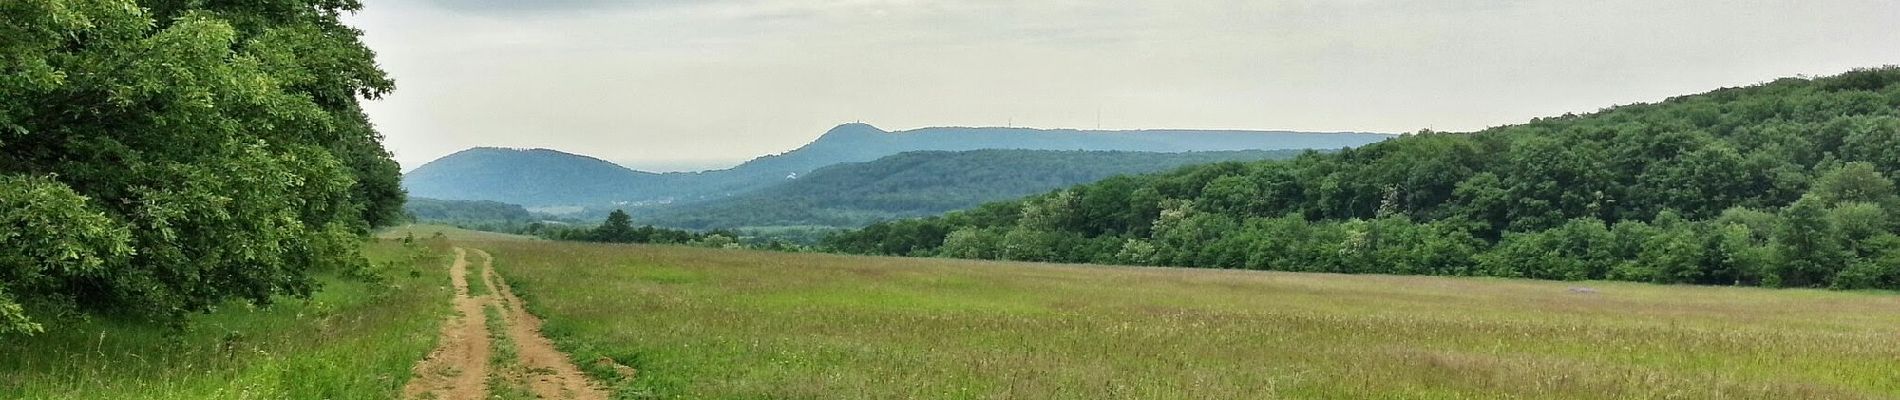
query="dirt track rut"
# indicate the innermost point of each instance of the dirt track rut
(459, 367)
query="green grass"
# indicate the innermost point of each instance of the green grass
(505, 372)
(426, 231)
(727, 324)
(353, 340)
(477, 284)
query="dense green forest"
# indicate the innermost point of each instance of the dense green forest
(1785, 184)
(923, 183)
(424, 209)
(162, 157)
(618, 228)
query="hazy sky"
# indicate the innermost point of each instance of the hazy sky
(683, 82)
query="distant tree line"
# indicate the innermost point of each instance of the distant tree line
(482, 215)
(433, 210)
(1783, 184)
(618, 228)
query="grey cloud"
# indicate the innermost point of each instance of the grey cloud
(506, 7)
(686, 81)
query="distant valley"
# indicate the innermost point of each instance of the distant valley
(547, 179)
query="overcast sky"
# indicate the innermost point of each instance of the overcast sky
(662, 84)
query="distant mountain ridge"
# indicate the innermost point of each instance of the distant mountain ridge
(542, 177)
(858, 142)
(924, 183)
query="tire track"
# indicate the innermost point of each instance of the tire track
(458, 367)
(554, 374)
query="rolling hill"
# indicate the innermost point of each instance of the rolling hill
(532, 177)
(541, 177)
(1786, 184)
(924, 183)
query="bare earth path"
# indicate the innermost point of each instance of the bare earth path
(459, 367)
(555, 376)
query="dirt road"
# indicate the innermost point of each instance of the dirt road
(461, 366)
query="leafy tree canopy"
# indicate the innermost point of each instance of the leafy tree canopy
(162, 157)
(1786, 183)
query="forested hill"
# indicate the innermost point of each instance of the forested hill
(453, 211)
(550, 178)
(925, 183)
(1788, 183)
(528, 177)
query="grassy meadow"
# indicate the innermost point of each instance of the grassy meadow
(429, 231)
(353, 340)
(729, 324)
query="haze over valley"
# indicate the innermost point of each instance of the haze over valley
(563, 183)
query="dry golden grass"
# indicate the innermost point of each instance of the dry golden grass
(702, 323)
